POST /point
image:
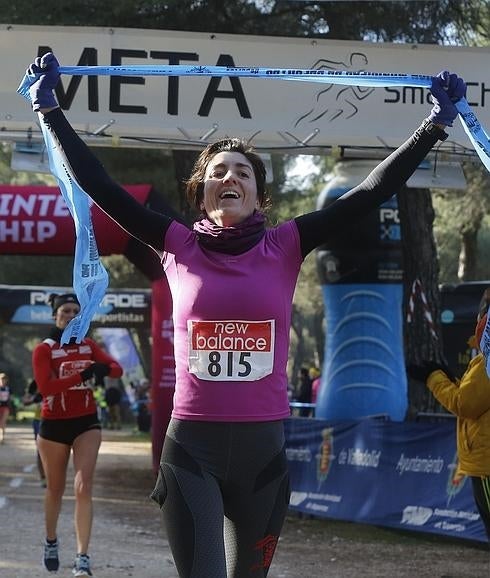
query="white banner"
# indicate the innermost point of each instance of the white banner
(188, 111)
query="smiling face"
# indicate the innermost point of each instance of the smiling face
(65, 313)
(230, 189)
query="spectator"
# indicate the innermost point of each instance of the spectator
(315, 383)
(143, 413)
(304, 391)
(469, 400)
(33, 398)
(5, 403)
(127, 400)
(113, 398)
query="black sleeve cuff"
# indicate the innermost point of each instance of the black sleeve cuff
(430, 128)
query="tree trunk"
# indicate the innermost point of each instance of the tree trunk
(298, 356)
(319, 338)
(183, 163)
(421, 309)
(467, 263)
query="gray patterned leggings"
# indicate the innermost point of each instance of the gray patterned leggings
(224, 492)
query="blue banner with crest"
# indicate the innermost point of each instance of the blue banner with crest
(396, 474)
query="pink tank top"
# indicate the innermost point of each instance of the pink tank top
(232, 316)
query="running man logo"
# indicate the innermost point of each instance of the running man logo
(335, 101)
(231, 350)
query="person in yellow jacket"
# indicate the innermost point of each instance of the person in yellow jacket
(469, 400)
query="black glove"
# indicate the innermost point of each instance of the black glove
(101, 370)
(97, 370)
(446, 89)
(422, 372)
(87, 373)
(45, 68)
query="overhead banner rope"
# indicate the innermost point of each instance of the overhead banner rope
(476, 133)
(93, 288)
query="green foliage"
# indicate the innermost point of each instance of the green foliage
(130, 167)
(142, 166)
(445, 21)
(292, 197)
(7, 175)
(16, 345)
(36, 270)
(459, 212)
(123, 274)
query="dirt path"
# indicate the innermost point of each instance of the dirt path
(128, 538)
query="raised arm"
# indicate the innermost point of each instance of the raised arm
(146, 225)
(319, 227)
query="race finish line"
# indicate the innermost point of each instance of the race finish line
(90, 277)
(475, 131)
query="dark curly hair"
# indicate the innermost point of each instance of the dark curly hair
(195, 183)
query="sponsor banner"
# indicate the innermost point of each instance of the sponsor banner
(400, 475)
(119, 308)
(35, 220)
(188, 111)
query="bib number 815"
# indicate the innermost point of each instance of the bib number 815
(228, 365)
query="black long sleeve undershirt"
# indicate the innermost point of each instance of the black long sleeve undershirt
(385, 180)
(144, 224)
(315, 229)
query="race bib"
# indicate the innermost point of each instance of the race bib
(231, 350)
